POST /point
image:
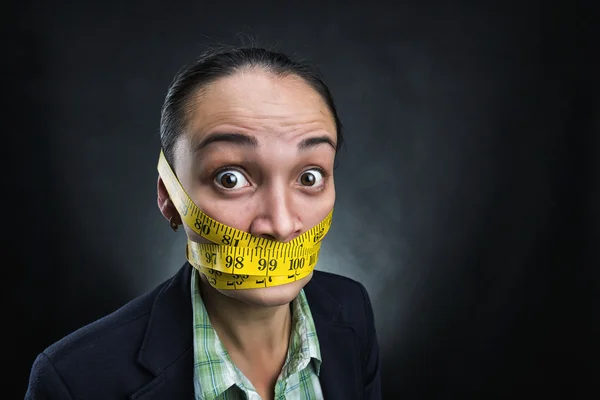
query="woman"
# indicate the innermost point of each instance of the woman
(249, 139)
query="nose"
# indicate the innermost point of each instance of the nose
(277, 219)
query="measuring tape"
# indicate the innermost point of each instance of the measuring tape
(237, 259)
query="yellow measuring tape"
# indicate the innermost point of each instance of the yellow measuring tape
(237, 259)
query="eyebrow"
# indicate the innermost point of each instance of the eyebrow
(241, 139)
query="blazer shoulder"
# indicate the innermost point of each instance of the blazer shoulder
(339, 286)
(102, 359)
(125, 324)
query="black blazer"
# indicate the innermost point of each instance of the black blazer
(144, 349)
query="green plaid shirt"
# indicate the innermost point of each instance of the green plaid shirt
(217, 378)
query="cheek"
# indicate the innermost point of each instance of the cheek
(236, 214)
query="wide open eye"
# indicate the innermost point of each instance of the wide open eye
(312, 177)
(230, 179)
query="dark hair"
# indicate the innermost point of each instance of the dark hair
(213, 65)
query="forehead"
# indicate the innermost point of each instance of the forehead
(259, 98)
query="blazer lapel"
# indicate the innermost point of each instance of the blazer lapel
(167, 349)
(176, 382)
(340, 374)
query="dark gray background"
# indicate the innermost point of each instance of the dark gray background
(467, 195)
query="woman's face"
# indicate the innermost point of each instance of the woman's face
(258, 155)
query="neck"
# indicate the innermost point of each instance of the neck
(251, 330)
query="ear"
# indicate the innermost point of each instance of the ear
(165, 205)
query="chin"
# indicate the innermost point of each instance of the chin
(270, 296)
